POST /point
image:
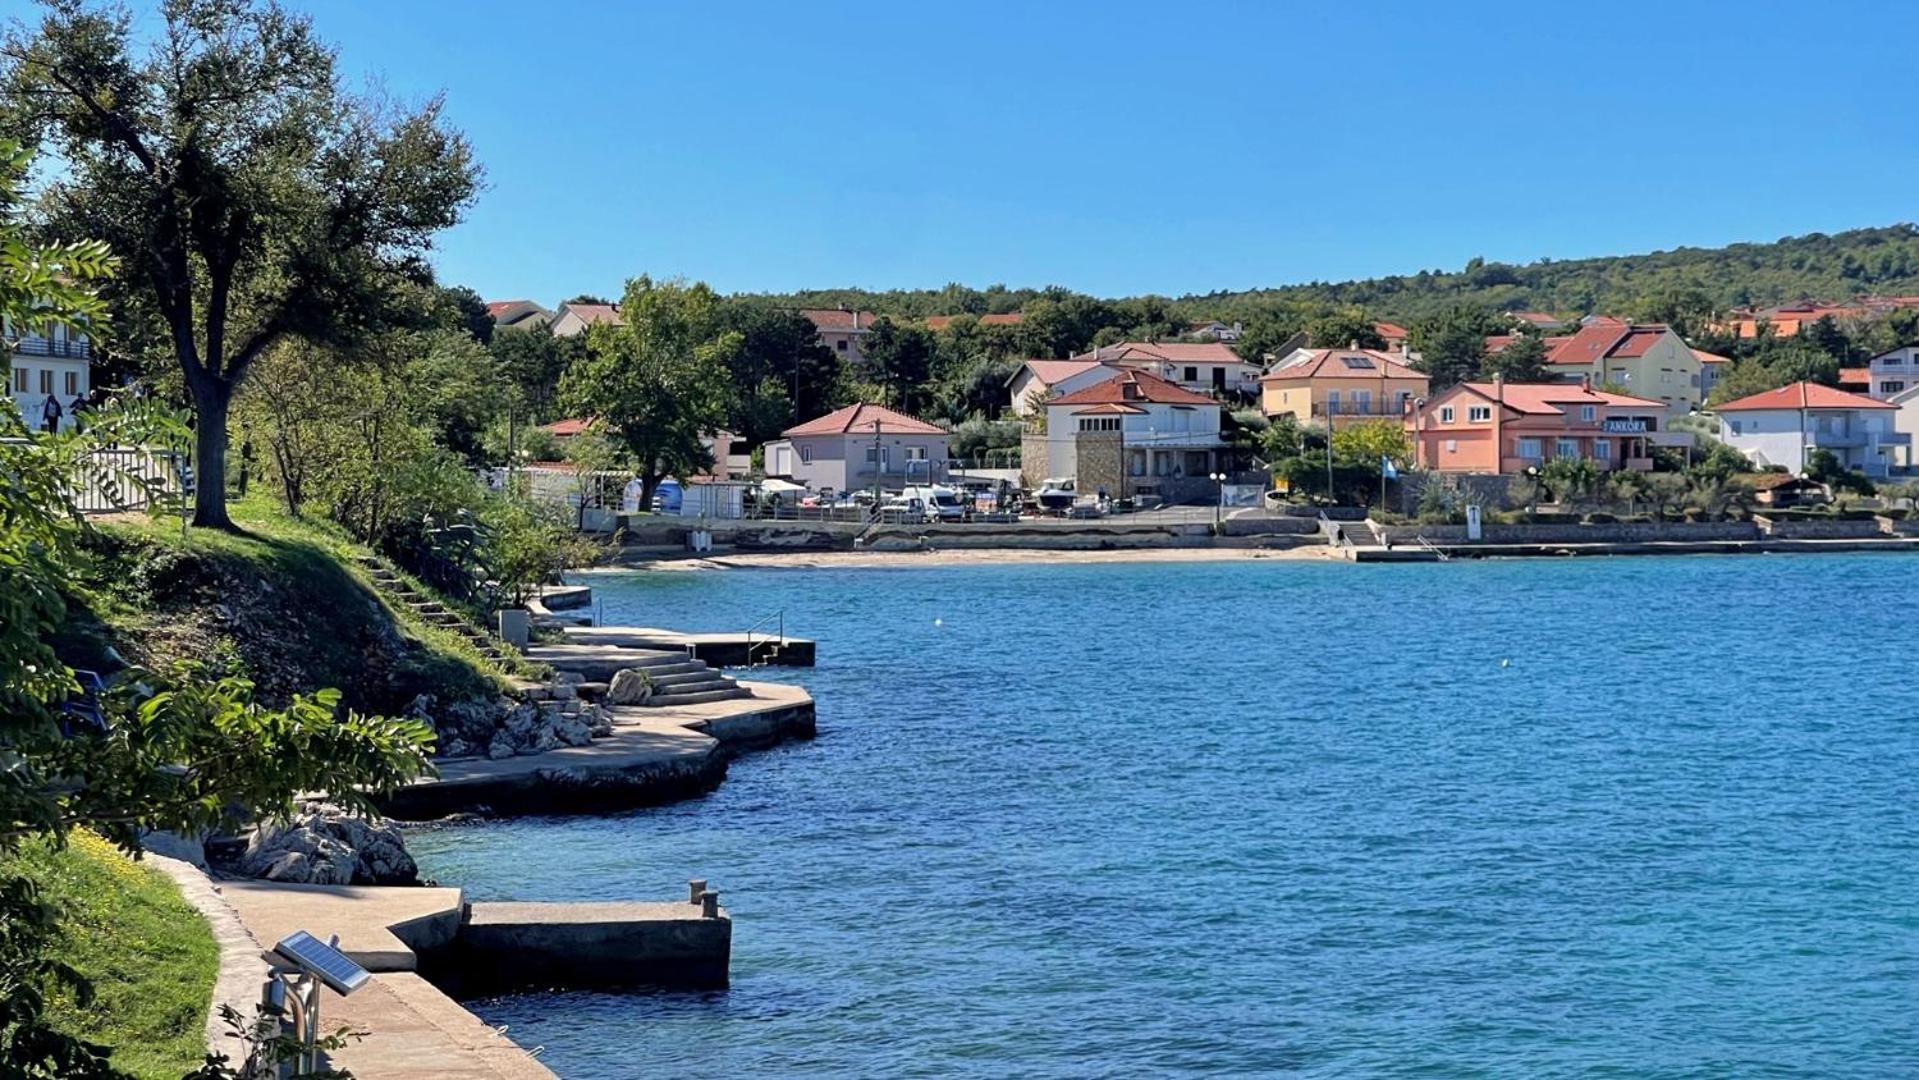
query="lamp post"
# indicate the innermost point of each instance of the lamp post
(1219, 498)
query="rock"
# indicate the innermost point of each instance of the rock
(501, 747)
(323, 845)
(630, 686)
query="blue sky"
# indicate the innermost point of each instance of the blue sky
(1123, 147)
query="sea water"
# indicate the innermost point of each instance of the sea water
(1648, 816)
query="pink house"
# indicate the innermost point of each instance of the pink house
(1499, 428)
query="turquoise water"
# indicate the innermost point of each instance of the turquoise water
(1638, 816)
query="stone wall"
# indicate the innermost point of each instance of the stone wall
(1817, 530)
(1617, 533)
(1100, 463)
(1891, 527)
(1033, 459)
(1251, 525)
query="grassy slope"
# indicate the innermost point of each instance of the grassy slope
(284, 598)
(150, 956)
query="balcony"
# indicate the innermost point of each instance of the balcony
(1359, 411)
(34, 345)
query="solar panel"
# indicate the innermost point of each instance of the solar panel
(325, 962)
(1357, 361)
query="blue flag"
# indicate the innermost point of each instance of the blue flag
(1386, 468)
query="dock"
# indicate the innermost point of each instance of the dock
(655, 755)
(720, 650)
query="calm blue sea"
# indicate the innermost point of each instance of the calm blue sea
(1647, 816)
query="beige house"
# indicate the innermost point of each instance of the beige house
(859, 447)
(841, 331)
(1037, 380)
(1646, 360)
(1205, 367)
(573, 319)
(1332, 387)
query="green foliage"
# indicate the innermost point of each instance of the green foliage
(1282, 439)
(531, 364)
(257, 197)
(529, 544)
(1343, 328)
(1522, 361)
(1569, 478)
(658, 382)
(1452, 344)
(780, 375)
(1824, 467)
(972, 439)
(1773, 363)
(1365, 444)
(900, 359)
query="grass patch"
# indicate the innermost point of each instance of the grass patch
(283, 600)
(150, 956)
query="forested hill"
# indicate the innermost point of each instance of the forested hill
(1655, 285)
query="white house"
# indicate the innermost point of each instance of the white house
(841, 330)
(50, 376)
(1890, 374)
(1203, 367)
(1132, 434)
(1039, 379)
(859, 447)
(1785, 426)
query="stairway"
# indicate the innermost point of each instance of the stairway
(677, 679)
(398, 591)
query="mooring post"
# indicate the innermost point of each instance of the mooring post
(709, 904)
(694, 890)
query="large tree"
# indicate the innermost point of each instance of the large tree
(1523, 360)
(1452, 344)
(657, 383)
(250, 197)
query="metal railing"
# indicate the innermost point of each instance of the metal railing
(1432, 547)
(34, 345)
(778, 618)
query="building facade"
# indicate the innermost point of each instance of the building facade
(1135, 434)
(50, 376)
(1337, 387)
(1785, 426)
(1205, 367)
(858, 448)
(1646, 360)
(1890, 374)
(1037, 380)
(1501, 429)
(574, 319)
(841, 331)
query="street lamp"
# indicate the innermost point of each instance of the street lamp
(1219, 499)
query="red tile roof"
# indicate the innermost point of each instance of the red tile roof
(833, 319)
(1803, 395)
(1130, 386)
(1052, 372)
(494, 307)
(1546, 398)
(1109, 408)
(1711, 358)
(563, 429)
(1390, 331)
(1177, 352)
(1341, 364)
(859, 420)
(1607, 340)
(1855, 376)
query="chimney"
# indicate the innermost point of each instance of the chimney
(1586, 382)
(1353, 345)
(856, 318)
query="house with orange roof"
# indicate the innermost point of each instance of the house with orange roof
(1504, 428)
(859, 447)
(1333, 387)
(574, 319)
(1889, 374)
(841, 329)
(1395, 335)
(1647, 360)
(1206, 367)
(1785, 426)
(1712, 368)
(517, 314)
(1036, 380)
(1134, 434)
(1538, 320)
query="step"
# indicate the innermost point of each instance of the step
(683, 678)
(701, 697)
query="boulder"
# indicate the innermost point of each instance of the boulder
(323, 845)
(630, 686)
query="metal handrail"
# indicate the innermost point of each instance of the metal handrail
(780, 618)
(1432, 547)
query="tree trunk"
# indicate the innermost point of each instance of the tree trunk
(211, 397)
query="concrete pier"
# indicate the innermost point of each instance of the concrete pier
(720, 650)
(654, 756)
(507, 945)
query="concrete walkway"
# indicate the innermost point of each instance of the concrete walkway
(654, 754)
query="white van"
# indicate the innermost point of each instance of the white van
(938, 502)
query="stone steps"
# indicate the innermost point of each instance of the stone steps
(434, 613)
(700, 697)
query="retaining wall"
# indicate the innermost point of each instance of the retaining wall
(1817, 530)
(1616, 533)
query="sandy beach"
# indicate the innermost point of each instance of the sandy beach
(803, 560)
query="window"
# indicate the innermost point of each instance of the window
(1446, 415)
(1602, 450)
(1588, 413)
(1895, 360)
(1479, 414)
(46, 380)
(1529, 448)
(916, 453)
(1363, 402)
(1621, 375)
(73, 384)
(1452, 446)
(806, 454)
(1566, 448)
(1332, 402)
(1891, 386)
(1192, 374)
(1095, 423)
(840, 344)
(1665, 375)
(876, 455)
(20, 377)
(1734, 424)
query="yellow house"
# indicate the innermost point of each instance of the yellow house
(1645, 360)
(1334, 386)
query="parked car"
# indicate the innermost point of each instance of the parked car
(938, 502)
